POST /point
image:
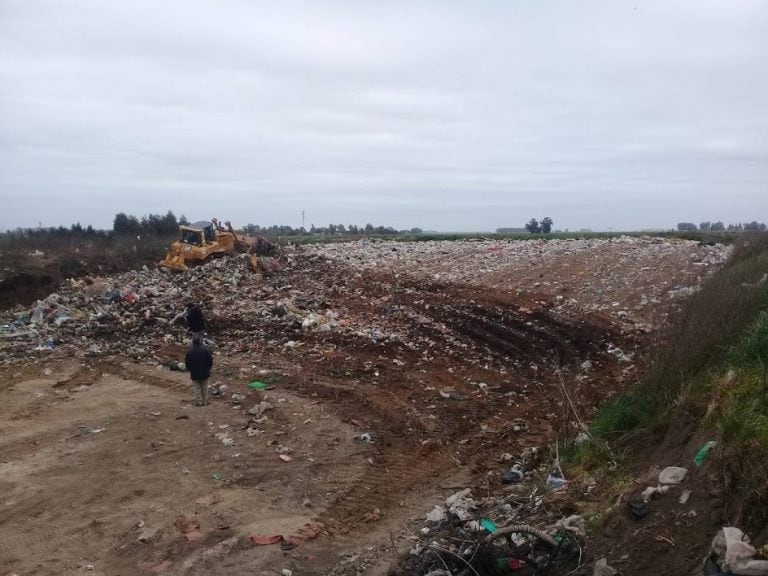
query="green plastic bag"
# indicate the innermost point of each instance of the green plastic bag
(256, 385)
(702, 453)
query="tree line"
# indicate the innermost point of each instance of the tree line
(153, 224)
(123, 224)
(168, 225)
(719, 226)
(330, 230)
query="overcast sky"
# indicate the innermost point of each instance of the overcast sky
(444, 115)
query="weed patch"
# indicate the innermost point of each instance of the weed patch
(635, 409)
(751, 353)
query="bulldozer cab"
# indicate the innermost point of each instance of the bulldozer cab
(197, 234)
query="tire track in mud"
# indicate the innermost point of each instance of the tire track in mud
(486, 326)
(512, 334)
(63, 496)
(400, 463)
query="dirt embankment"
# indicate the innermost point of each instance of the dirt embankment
(29, 274)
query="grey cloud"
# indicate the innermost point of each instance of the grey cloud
(441, 115)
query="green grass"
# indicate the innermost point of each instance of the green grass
(752, 352)
(635, 409)
(745, 418)
(723, 325)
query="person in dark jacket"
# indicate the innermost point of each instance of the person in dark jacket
(199, 362)
(195, 320)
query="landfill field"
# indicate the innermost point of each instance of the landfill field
(355, 387)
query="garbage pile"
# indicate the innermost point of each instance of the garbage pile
(620, 277)
(490, 536)
(131, 313)
(316, 291)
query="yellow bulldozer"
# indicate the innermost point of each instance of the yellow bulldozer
(202, 240)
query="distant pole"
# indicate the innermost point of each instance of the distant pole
(303, 216)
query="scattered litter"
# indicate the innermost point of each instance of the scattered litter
(225, 439)
(672, 475)
(556, 482)
(603, 569)
(260, 408)
(519, 425)
(257, 385)
(189, 526)
(701, 455)
(514, 475)
(437, 515)
(735, 554)
(266, 540)
(573, 524)
(649, 492)
(638, 506)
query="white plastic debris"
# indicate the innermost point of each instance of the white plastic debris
(649, 492)
(602, 568)
(672, 475)
(437, 515)
(260, 408)
(574, 524)
(736, 554)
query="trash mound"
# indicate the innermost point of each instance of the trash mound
(489, 538)
(621, 278)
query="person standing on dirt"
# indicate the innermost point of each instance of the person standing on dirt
(199, 362)
(195, 320)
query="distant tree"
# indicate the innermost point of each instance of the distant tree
(341, 229)
(124, 224)
(533, 226)
(705, 226)
(717, 226)
(183, 221)
(687, 227)
(369, 228)
(753, 226)
(546, 225)
(168, 225)
(416, 231)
